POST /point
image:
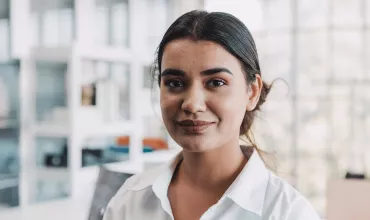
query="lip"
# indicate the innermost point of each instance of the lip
(194, 126)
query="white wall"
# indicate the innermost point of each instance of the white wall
(183, 6)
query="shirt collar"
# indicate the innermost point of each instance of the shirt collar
(248, 190)
(161, 184)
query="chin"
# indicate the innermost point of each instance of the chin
(195, 144)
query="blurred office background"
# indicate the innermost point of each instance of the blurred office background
(76, 93)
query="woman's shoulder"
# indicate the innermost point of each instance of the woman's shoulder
(143, 179)
(282, 198)
(279, 187)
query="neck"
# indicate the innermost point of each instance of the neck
(214, 170)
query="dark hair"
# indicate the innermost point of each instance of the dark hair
(229, 32)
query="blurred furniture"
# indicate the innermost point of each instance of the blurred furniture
(88, 205)
(63, 36)
(71, 209)
(9, 128)
(107, 185)
(348, 200)
(112, 65)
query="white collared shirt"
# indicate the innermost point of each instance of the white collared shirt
(256, 194)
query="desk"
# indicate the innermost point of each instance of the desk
(348, 199)
(64, 209)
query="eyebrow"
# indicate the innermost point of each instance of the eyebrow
(177, 72)
(173, 72)
(215, 71)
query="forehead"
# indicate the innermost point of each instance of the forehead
(190, 55)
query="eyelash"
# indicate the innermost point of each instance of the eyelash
(217, 80)
(168, 83)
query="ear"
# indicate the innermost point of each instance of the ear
(254, 92)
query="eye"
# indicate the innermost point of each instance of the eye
(174, 83)
(216, 83)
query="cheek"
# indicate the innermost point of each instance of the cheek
(229, 108)
(168, 104)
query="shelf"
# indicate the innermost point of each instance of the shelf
(51, 130)
(9, 132)
(52, 173)
(9, 182)
(160, 156)
(85, 174)
(52, 54)
(105, 53)
(90, 173)
(99, 53)
(62, 174)
(113, 129)
(86, 130)
(9, 123)
(73, 62)
(59, 209)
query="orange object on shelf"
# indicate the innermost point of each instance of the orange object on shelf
(154, 143)
(123, 141)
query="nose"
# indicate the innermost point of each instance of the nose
(194, 100)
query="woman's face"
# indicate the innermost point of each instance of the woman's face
(203, 94)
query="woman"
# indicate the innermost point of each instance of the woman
(210, 90)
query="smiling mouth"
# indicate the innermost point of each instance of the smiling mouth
(194, 126)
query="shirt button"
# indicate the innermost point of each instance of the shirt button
(102, 211)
